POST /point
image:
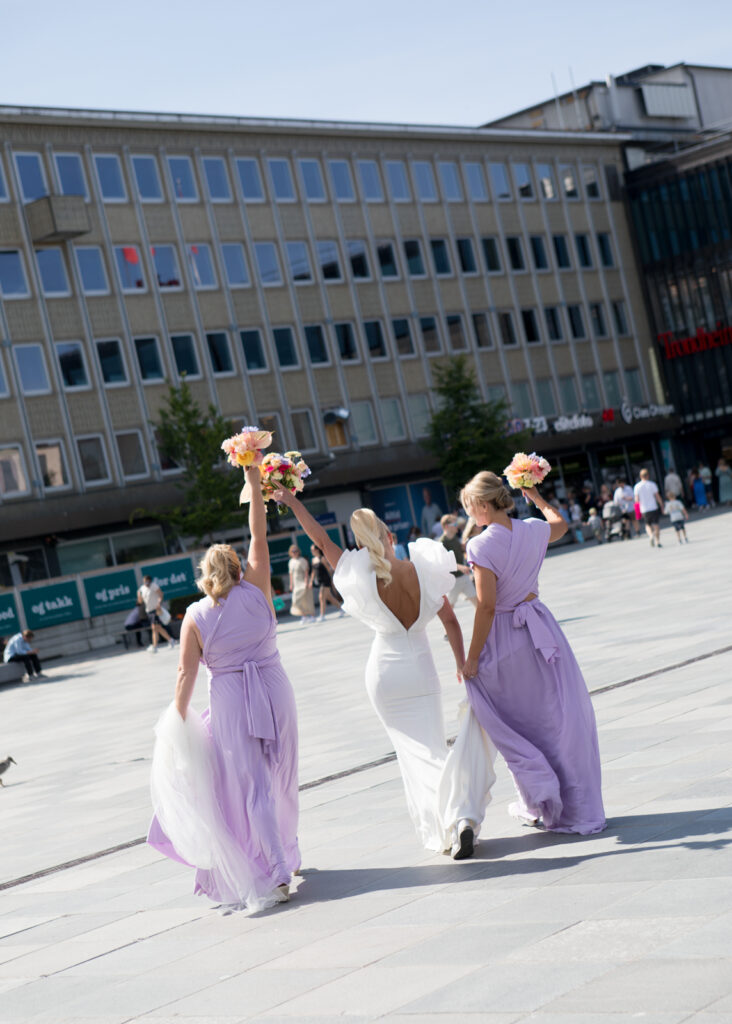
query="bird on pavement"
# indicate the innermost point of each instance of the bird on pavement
(4, 765)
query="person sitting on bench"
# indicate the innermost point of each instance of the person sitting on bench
(136, 622)
(19, 649)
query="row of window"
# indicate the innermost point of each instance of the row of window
(200, 262)
(426, 180)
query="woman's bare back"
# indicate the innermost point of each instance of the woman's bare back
(402, 596)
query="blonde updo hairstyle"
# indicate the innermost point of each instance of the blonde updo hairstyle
(374, 535)
(220, 571)
(486, 489)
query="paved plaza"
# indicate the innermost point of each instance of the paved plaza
(634, 924)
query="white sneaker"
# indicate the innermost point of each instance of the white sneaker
(341, 613)
(152, 649)
(320, 618)
(171, 642)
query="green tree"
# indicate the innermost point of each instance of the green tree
(467, 434)
(209, 487)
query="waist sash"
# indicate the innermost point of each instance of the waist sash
(258, 707)
(529, 614)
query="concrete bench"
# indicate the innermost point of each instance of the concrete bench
(11, 672)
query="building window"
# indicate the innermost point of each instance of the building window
(270, 421)
(330, 266)
(31, 175)
(597, 315)
(491, 256)
(403, 336)
(499, 181)
(561, 251)
(148, 359)
(531, 326)
(250, 180)
(547, 185)
(131, 454)
(424, 180)
(466, 256)
(430, 335)
(450, 181)
(282, 183)
(13, 283)
(521, 399)
(284, 341)
(201, 266)
(4, 197)
(392, 418)
(375, 339)
(387, 259)
(420, 414)
(568, 395)
(396, 175)
(481, 330)
(13, 479)
(370, 181)
(359, 260)
(456, 332)
(440, 257)
(340, 176)
(167, 271)
(576, 322)
(522, 180)
(217, 179)
(590, 391)
(568, 178)
(298, 261)
(363, 426)
(553, 323)
(31, 369)
(538, 253)
(496, 393)
(4, 389)
(93, 459)
(312, 181)
(235, 264)
(92, 272)
(621, 320)
(515, 252)
(545, 397)
(71, 362)
(70, 173)
(111, 362)
(508, 331)
(611, 381)
(591, 182)
(129, 268)
(413, 257)
(346, 339)
(109, 176)
(184, 183)
(302, 424)
(315, 341)
(147, 178)
(52, 462)
(54, 280)
(477, 188)
(184, 354)
(606, 250)
(251, 343)
(267, 263)
(219, 352)
(584, 255)
(634, 386)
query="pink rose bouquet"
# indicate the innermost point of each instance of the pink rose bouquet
(526, 471)
(247, 447)
(279, 471)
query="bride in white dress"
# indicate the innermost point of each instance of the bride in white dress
(446, 793)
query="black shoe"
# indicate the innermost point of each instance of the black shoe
(464, 844)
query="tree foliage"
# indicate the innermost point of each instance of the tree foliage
(210, 488)
(467, 434)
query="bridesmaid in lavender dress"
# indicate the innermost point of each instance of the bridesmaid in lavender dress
(524, 684)
(224, 785)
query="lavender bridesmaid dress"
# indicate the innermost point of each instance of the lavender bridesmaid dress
(245, 823)
(529, 694)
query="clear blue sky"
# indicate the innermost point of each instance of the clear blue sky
(417, 61)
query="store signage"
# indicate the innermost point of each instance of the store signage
(9, 621)
(175, 578)
(702, 341)
(644, 412)
(111, 592)
(52, 605)
(578, 421)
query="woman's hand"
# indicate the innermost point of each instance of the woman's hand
(459, 677)
(531, 494)
(470, 668)
(284, 497)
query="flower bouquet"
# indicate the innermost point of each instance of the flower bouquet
(247, 447)
(279, 471)
(525, 471)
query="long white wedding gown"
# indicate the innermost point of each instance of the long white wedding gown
(404, 688)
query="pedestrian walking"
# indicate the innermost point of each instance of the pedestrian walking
(678, 515)
(463, 576)
(723, 472)
(18, 649)
(302, 604)
(650, 502)
(699, 492)
(150, 597)
(672, 482)
(624, 498)
(705, 474)
(320, 577)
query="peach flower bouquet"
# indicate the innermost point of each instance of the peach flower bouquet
(526, 471)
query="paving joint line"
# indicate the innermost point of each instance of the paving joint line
(346, 773)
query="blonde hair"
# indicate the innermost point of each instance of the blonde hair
(486, 489)
(371, 533)
(220, 570)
